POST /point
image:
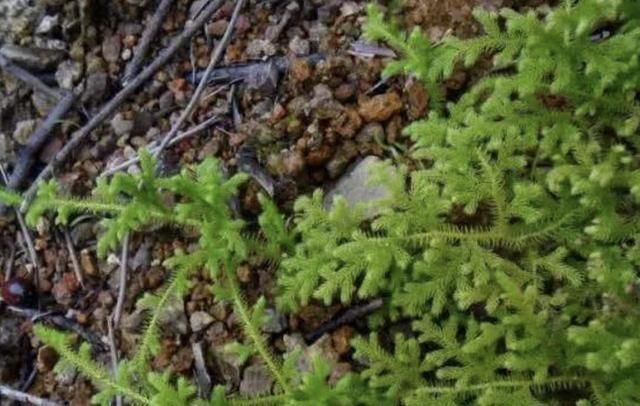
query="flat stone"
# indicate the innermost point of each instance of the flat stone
(200, 320)
(121, 126)
(354, 186)
(258, 48)
(276, 322)
(48, 24)
(228, 364)
(111, 47)
(173, 317)
(299, 46)
(68, 73)
(96, 87)
(256, 380)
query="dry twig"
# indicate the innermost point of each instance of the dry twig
(114, 356)
(31, 250)
(150, 32)
(355, 313)
(110, 107)
(202, 376)
(74, 258)
(122, 288)
(36, 141)
(152, 149)
(31, 80)
(25, 397)
(61, 322)
(215, 58)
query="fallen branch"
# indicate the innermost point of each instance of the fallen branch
(114, 356)
(150, 32)
(255, 74)
(122, 287)
(153, 148)
(37, 140)
(351, 315)
(74, 258)
(110, 107)
(215, 58)
(25, 76)
(61, 322)
(248, 163)
(25, 397)
(202, 376)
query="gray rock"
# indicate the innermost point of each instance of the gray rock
(173, 317)
(322, 347)
(293, 342)
(48, 24)
(370, 133)
(200, 320)
(68, 74)
(299, 46)
(349, 8)
(276, 322)
(96, 87)
(256, 380)
(111, 48)
(228, 364)
(317, 31)
(121, 126)
(258, 48)
(355, 187)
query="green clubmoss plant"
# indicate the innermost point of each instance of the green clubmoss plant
(199, 202)
(510, 264)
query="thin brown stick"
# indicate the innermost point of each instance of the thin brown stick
(110, 107)
(215, 58)
(37, 140)
(31, 80)
(202, 376)
(31, 250)
(8, 268)
(74, 258)
(357, 312)
(150, 32)
(122, 288)
(24, 397)
(62, 322)
(189, 133)
(114, 356)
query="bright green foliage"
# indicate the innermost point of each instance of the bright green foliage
(130, 203)
(515, 252)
